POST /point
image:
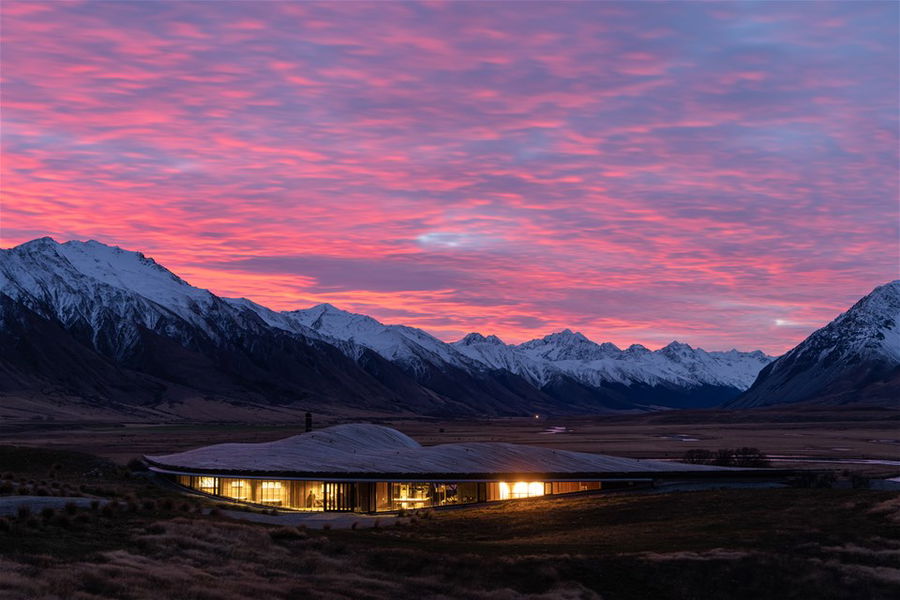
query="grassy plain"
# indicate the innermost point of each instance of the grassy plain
(153, 542)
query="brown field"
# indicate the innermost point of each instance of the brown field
(813, 433)
(152, 542)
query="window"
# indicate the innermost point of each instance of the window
(271, 492)
(208, 485)
(239, 489)
(410, 495)
(518, 489)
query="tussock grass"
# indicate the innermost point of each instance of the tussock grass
(152, 543)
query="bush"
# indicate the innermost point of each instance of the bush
(167, 504)
(71, 508)
(5, 525)
(95, 504)
(23, 512)
(750, 458)
(33, 523)
(136, 464)
(149, 505)
(726, 457)
(287, 533)
(62, 521)
(47, 512)
(6, 488)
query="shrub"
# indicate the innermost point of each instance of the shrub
(215, 512)
(136, 464)
(23, 511)
(724, 458)
(750, 458)
(33, 523)
(95, 504)
(167, 504)
(184, 507)
(71, 508)
(107, 511)
(5, 525)
(8, 475)
(326, 526)
(354, 525)
(6, 488)
(287, 533)
(47, 512)
(698, 456)
(82, 518)
(42, 491)
(23, 491)
(62, 521)
(155, 529)
(149, 505)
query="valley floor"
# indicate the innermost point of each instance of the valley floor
(827, 434)
(153, 542)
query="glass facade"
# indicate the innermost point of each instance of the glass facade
(380, 496)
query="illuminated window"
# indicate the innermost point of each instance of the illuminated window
(521, 489)
(271, 492)
(207, 484)
(238, 489)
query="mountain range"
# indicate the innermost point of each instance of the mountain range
(93, 326)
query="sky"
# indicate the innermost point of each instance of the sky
(723, 174)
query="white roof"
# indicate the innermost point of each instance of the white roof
(364, 448)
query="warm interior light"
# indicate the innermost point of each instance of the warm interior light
(520, 489)
(504, 490)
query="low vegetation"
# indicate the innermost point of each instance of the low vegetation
(141, 541)
(727, 457)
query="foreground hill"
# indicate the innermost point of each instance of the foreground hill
(115, 329)
(855, 358)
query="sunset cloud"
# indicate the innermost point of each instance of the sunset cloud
(723, 173)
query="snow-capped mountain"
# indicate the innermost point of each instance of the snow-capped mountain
(854, 358)
(398, 343)
(135, 314)
(129, 310)
(140, 326)
(597, 365)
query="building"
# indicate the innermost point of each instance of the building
(371, 468)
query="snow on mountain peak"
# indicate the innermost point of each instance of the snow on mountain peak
(477, 338)
(90, 281)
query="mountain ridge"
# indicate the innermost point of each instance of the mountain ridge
(838, 363)
(122, 304)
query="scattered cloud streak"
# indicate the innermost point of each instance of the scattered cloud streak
(723, 173)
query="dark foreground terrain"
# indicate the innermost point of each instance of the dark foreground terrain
(150, 542)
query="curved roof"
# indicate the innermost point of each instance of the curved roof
(370, 449)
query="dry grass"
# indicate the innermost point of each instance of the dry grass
(148, 542)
